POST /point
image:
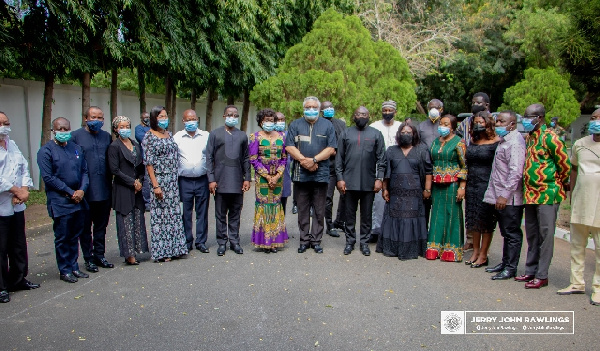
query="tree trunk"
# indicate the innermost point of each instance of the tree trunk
(173, 106)
(193, 99)
(142, 88)
(47, 113)
(230, 100)
(168, 94)
(211, 96)
(85, 95)
(113, 96)
(245, 109)
(420, 108)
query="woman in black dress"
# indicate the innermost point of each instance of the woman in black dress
(407, 181)
(480, 217)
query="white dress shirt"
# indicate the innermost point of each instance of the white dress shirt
(192, 153)
(388, 132)
(14, 171)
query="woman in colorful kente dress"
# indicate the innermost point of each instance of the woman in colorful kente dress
(268, 157)
(446, 228)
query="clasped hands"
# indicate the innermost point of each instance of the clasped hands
(309, 164)
(272, 179)
(21, 195)
(77, 196)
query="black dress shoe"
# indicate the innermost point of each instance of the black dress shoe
(69, 278)
(302, 248)
(221, 250)
(497, 268)
(294, 209)
(505, 274)
(80, 274)
(348, 249)
(274, 250)
(318, 249)
(365, 250)
(25, 285)
(102, 262)
(202, 248)
(4, 296)
(333, 233)
(237, 249)
(91, 267)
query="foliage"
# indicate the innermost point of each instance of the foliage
(544, 86)
(338, 61)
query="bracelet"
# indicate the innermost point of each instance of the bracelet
(155, 187)
(428, 190)
(462, 187)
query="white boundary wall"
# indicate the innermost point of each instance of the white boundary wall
(22, 101)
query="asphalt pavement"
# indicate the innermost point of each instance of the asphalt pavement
(282, 301)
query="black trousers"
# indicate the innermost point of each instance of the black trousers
(14, 264)
(509, 221)
(427, 203)
(352, 198)
(331, 186)
(193, 193)
(228, 208)
(307, 195)
(67, 230)
(93, 242)
(284, 203)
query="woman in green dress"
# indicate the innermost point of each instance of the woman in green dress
(446, 228)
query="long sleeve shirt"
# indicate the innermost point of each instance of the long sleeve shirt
(140, 133)
(192, 153)
(360, 158)
(547, 168)
(95, 149)
(506, 179)
(64, 170)
(227, 160)
(14, 171)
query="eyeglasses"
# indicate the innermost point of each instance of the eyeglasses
(530, 116)
(230, 115)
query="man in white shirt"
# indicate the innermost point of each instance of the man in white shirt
(388, 127)
(193, 182)
(14, 192)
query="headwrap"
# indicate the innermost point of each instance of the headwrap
(119, 119)
(389, 103)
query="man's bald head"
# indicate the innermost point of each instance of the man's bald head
(536, 109)
(189, 115)
(61, 124)
(326, 104)
(361, 110)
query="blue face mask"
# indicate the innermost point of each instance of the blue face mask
(62, 137)
(163, 123)
(501, 131)
(311, 114)
(95, 125)
(231, 121)
(594, 127)
(280, 126)
(443, 130)
(268, 126)
(528, 126)
(552, 124)
(191, 126)
(125, 133)
(328, 112)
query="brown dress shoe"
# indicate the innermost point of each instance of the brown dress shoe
(536, 283)
(525, 277)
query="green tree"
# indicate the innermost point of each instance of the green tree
(544, 86)
(338, 61)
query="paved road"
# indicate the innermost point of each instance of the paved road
(283, 301)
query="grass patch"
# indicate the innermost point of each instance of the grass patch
(37, 197)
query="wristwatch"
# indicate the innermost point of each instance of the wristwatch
(315, 160)
(462, 187)
(380, 179)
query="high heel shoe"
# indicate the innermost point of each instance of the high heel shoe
(478, 265)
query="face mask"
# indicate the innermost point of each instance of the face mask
(478, 128)
(443, 130)
(528, 126)
(361, 122)
(4, 130)
(147, 121)
(594, 127)
(95, 125)
(163, 123)
(191, 126)
(280, 126)
(552, 124)
(405, 139)
(311, 114)
(62, 137)
(268, 126)
(501, 131)
(434, 114)
(328, 112)
(125, 133)
(231, 121)
(388, 116)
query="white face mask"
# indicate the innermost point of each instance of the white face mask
(4, 130)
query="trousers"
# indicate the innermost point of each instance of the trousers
(352, 199)
(93, 242)
(509, 221)
(579, 239)
(540, 225)
(67, 230)
(228, 208)
(307, 195)
(14, 264)
(193, 193)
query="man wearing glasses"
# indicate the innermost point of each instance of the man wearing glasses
(545, 181)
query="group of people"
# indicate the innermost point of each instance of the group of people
(410, 181)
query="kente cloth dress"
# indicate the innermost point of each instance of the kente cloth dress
(167, 236)
(446, 228)
(479, 216)
(404, 227)
(268, 157)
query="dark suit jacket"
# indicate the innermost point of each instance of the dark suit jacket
(126, 169)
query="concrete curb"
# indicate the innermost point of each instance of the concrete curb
(566, 235)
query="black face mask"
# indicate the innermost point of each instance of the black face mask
(388, 116)
(361, 122)
(477, 108)
(405, 139)
(478, 128)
